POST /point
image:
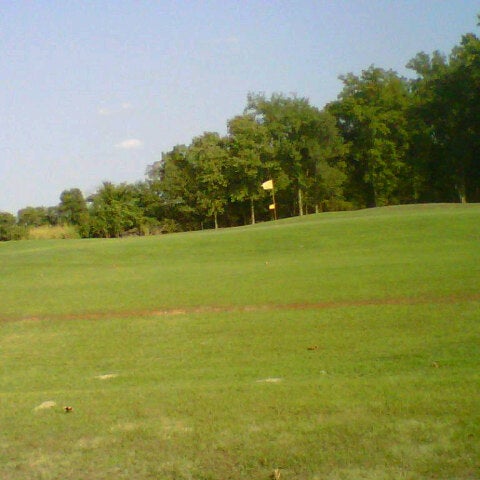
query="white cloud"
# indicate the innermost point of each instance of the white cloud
(125, 106)
(232, 40)
(130, 143)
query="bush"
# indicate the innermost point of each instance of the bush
(152, 226)
(168, 225)
(336, 205)
(13, 232)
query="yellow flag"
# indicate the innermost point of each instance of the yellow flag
(268, 185)
(271, 206)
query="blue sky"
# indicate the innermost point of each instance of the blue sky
(97, 90)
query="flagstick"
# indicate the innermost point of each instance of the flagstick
(274, 203)
(268, 185)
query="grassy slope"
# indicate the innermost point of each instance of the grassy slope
(386, 253)
(391, 392)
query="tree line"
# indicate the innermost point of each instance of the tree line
(386, 140)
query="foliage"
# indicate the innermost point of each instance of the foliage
(173, 185)
(9, 230)
(73, 207)
(7, 222)
(447, 106)
(208, 158)
(371, 114)
(305, 143)
(114, 211)
(250, 154)
(33, 216)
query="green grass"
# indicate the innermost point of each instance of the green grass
(390, 297)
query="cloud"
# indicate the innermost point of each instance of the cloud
(232, 40)
(125, 106)
(130, 143)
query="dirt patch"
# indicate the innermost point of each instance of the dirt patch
(251, 308)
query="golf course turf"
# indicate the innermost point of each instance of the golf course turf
(333, 346)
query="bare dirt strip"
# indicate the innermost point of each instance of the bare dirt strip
(452, 299)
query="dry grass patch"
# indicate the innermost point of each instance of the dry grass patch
(270, 380)
(45, 405)
(106, 376)
(48, 232)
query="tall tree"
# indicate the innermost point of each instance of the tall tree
(32, 216)
(7, 224)
(302, 137)
(447, 106)
(73, 207)
(249, 149)
(371, 115)
(115, 211)
(208, 157)
(174, 182)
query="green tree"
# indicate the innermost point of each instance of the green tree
(327, 190)
(73, 207)
(302, 138)
(446, 112)
(32, 216)
(7, 224)
(174, 186)
(249, 150)
(115, 211)
(371, 114)
(208, 158)
(53, 215)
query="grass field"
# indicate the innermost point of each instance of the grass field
(333, 346)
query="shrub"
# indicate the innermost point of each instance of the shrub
(336, 205)
(14, 232)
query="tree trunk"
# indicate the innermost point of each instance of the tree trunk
(461, 193)
(371, 196)
(252, 211)
(300, 202)
(215, 218)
